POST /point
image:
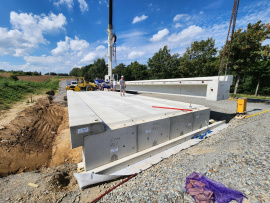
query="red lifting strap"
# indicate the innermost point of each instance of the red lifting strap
(160, 107)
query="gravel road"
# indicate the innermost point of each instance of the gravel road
(59, 98)
(238, 157)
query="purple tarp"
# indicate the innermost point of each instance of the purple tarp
(206, 190)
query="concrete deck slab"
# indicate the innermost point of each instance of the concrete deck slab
(131, 124)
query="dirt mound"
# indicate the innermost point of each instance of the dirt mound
(35, 78)
(5, 75)
(38, 137)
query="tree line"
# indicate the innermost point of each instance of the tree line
(248, 61)
(31, 73)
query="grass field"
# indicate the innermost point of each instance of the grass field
(12, 91)
(249, 96)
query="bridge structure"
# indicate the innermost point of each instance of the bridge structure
(212, 88)
(120, 131)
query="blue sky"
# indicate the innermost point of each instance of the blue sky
(57, 35)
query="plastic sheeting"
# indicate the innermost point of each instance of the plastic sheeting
(204, 189)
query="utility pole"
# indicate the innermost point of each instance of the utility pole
(110, 37)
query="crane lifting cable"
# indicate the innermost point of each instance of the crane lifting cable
(231, 30)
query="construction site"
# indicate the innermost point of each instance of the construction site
(160, 140)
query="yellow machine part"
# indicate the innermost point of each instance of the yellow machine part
(241, 105)
(77, 88)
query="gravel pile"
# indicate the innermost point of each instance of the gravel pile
(238, 157)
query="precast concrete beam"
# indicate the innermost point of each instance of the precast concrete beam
(82, 120)
(213, 88)
(122, 126)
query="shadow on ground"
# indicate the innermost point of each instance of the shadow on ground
(219, 116)
(254, 100)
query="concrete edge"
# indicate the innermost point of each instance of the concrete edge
(125, 162)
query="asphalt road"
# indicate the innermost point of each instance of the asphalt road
(220, 110)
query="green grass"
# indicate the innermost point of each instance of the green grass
(249, 96)
(13, 91)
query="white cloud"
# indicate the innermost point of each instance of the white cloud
(177, 25)
(178, 17)
(189, 33)
(201, 12)
(42, 60)
(122, 48)
(160, 35)
(68, 3)
(78, 45)
(89, 58)
(28, 32)
(63, 47)
(52, 22)
(131, 34)
(83, 5)
(150, 5)
(139, 19)
(135, 54)
(100, 47)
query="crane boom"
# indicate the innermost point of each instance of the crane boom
(232, 24)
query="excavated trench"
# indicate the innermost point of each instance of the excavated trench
(38, 137)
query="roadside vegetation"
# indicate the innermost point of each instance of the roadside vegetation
(13, 90)
(249, 96)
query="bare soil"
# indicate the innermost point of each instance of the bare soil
(41, 78)
(6, 116)
(37, 138)
(5, 75)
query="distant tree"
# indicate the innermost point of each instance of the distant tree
(75, 72)
(85, 72)
(261, 73)
(97, 70)
(199, 59)
(127, 73)
(35, 73)
(62, 74)
(246, 50)
(13, 77)
(101, 67)
(50, 73)
(138, 71)
(2, 70)
(119, 69)
(163, 65)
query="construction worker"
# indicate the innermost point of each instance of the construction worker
(114, 85)
(111, 85)
(122, 84)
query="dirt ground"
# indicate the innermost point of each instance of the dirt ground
(41, 78)
(35, 148)
(38, 137)
(5, 75)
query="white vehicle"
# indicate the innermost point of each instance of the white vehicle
(73, 83)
